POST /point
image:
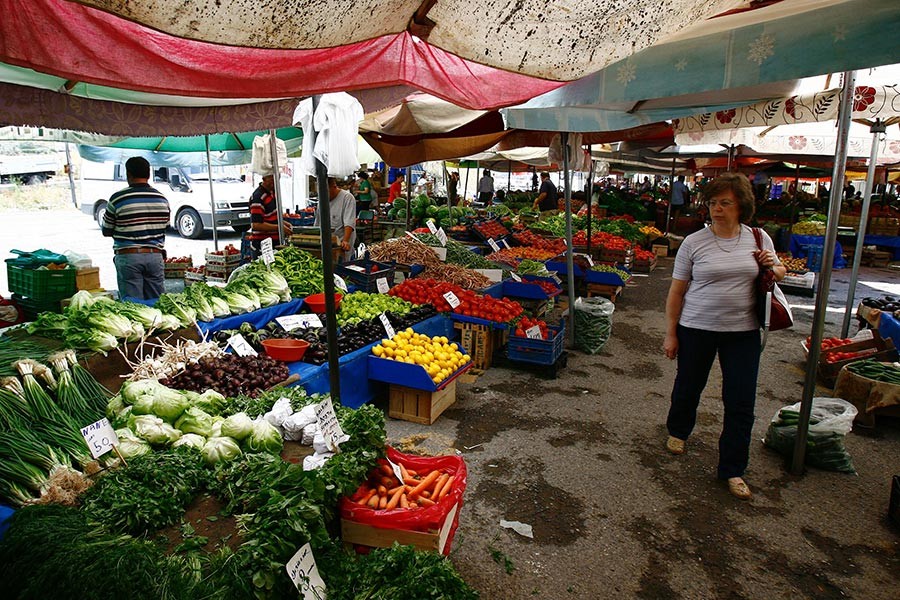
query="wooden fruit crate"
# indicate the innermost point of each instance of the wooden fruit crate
(480, 341)
(367, 535)
(622, 257)
(420, 406)
(176, 270)
(643, 266)
(87, 279)
(881, 349)
(613, 292)
(876, 258)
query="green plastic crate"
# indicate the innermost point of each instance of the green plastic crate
(41, 284)
(32, 308)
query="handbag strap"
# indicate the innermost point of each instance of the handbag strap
(757, 235)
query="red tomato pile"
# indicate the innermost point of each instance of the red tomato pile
(642, 255)
(527, 323)
(228, 250)
(829, 343)
(510, 255)
(491, 229)
(549, 287)
(601, 238)
(834, 357)
(178, 260)
(430, 291)
(529, 238)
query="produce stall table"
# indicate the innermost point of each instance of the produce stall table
(258, 318)
(799, 244)
(356, 388)
(889, 327)
(885, 241)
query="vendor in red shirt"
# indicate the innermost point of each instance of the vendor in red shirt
(264, 213)
(396, 188)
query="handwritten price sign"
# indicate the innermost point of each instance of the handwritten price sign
(100, 437)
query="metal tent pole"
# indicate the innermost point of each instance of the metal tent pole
(837, 186)
(408, 196)
(570, 267)
(273, 145)
(509, 177)
(877, 128)
(71, 174)
(671, 195)
(324, 208)
(590, 195)
(466, 187)
(212, 195)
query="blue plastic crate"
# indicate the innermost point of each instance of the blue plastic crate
(407, 375)
(477, 321)
(541, 352)
(606, 278)
(562, 268)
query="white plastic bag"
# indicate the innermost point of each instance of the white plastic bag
(828, 415)
(280, 411)
(319, 444)
(593, 323)
(297, 422)
(261, 160)
(309, 434)
(314, 461)
(831, 419)
(79, 261)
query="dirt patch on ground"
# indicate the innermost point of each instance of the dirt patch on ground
(202, 526)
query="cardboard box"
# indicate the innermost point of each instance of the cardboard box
(660, 249)
(87, 279)
(420, 406)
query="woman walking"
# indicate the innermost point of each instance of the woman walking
(710, 311)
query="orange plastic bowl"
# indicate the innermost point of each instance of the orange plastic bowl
(316, 302)
(286, 350)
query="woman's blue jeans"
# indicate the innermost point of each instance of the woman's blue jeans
(739, 358)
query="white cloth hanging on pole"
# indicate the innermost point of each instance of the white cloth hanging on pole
(336, 123)
(261, 162)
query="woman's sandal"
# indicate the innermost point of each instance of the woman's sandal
(739, 488)
(675, 445)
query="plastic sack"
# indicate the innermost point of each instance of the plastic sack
(830, 420)
(79, 261)
(421, 519)
(297, 422)
(314, 461)
(261, 159)
(281, 410)
(309, 434)
(593, 323)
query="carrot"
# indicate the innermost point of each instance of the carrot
(394, 489)
(388, 482)
(382, 502)
(364, 499)
(386, 469)
(425, 502)
(361, 492)
(426, 494)
(428, 481)
(439, 484)
(395, 498)
(446, 488)
(403, 472)
(412, 473)
(372, 502)
(404, 503)
(382, 491)
(411, 482)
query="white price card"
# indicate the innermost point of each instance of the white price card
(555, 278)
(356, 268)
(396, 469)
(493, 245)
(329, 426)
(515, 277)
(382, 284)
(291, 322)
(268, 254)
(340, 283)
(588, 258)
(388, 328)
(451, 299)
(432, 227)
(505, 245)
(241, 346)
(100, 437)
(534, 333)
(361, 250)
(442, 236)
(304, 573)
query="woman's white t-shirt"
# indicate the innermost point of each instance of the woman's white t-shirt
(721, 275)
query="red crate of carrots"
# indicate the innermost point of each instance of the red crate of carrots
(421, 510)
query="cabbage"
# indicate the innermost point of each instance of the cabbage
(237, 426)
(143, 406)
(219, 306)
(131, 446)
(195, 297)
(121, 418)
(268, 298)
(217, 427)
(155, 430)
(264, 438)
(211, 401)
(177, 306)
(195, 420)
(169, 406)
(192, 440)
(114, 406)
(82, 299)
(239, 304)
(147, 316)
(218, 449)
(132, 390)
(170, 322)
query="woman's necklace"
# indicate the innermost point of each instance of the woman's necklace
(737, 239)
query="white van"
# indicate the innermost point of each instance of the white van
(186, 188)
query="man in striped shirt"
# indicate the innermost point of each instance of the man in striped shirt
(264, 214)
(136, 219)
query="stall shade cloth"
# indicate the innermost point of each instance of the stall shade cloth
(744, 52)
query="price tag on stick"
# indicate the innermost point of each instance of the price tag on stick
(534, 333)
(388, 328)
(100, 437)
(432, 228)
(451, 299)
(442, 236)
(329, 425)
(382, 284)
(304, 573)
(515, 276)
(340, 283)
(241, 346)
(493, 245)
(268, 254)
(505, 245)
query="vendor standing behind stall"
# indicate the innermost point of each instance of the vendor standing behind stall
(136, 218)
(264, 214)
(343, 217)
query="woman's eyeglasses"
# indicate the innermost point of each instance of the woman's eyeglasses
(720, 203)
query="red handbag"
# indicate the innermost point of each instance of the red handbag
(772, 307)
